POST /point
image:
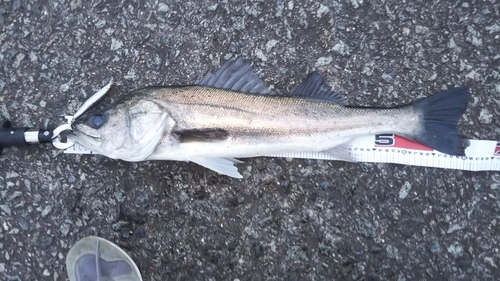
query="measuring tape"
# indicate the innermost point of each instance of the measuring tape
(482, 155)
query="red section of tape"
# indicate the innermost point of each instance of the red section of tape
(408, 144)
(391, 140)
(497, 150)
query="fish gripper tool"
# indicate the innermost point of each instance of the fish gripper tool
(10, 136)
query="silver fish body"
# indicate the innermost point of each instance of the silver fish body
(257, 125)
(211, 126)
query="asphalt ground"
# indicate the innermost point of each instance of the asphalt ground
(287, 219)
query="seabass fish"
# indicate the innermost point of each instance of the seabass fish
(231, 114)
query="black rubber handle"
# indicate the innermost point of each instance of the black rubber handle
(22, 136)
(11, 136)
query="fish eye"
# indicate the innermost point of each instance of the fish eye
(97, 121)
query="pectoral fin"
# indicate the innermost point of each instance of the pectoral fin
(224, 166)
(205, 134)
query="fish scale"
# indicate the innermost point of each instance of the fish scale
(270, 112)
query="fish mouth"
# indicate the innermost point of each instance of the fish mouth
(70, 135)
(79, 136)
(78, 133)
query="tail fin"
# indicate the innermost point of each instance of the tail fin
(441, 113)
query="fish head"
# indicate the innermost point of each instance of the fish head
(129, 130)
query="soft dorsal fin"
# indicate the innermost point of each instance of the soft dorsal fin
(315, 87)
(235, 75)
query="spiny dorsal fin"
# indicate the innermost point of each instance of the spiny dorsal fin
(235, 75)
(314, 87)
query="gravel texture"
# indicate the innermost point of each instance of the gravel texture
(288, 219)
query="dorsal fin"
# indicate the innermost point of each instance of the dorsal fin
(235, 75)
(314, 87)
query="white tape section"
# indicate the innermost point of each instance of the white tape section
(78, 149)
(482, 155)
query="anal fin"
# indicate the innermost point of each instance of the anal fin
(224, 166)
(341, 152)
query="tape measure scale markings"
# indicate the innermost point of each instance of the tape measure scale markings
(388, 148)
